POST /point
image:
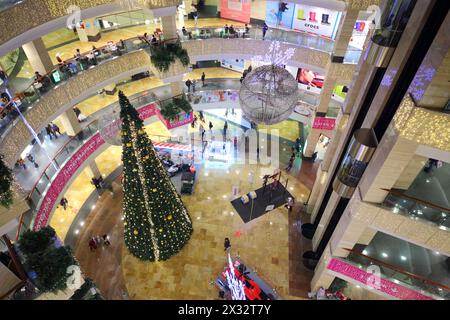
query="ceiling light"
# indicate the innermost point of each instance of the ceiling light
(384, 254)
(403, 258)
(365, 252)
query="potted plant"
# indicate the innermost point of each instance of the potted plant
(6, 194)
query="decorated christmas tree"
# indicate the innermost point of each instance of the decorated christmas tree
(157, 224)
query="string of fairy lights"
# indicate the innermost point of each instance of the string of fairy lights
(157, 224)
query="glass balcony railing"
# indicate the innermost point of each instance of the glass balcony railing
(26, 99)
(400, 203)
(71, 68)
(299, 39)
(399, 276)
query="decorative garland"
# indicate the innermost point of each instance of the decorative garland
(172, 109)
(164, 55)
(6, 178)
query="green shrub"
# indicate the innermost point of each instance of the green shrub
(51, 268)
(164, 55)
(175, 107)
(6, 194)
(32, 242)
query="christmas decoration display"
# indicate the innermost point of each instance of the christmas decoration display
(156, 222)
(46, 259)
(6, 195)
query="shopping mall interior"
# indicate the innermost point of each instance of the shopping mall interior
(224, 150)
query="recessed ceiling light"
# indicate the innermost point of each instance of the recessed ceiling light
(365, 252)
(82, 223)
(384, 254)
(403, 258)
(77, 231)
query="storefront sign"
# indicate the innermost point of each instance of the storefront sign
(324, 123)
(238, 10)
(316, 20)
(384, 285)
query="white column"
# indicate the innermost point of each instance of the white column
(70, 122)
(38, 56)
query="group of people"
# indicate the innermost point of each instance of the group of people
(97, 182)
(21, 162)
(52, 131)
(98, 241)
(193, 83)
(155, 39)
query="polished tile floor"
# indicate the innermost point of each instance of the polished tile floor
(189, 274)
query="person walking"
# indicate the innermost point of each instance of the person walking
(21, 163)
(31, 159)
(227, 245)
(264, 30)
(201, 116)
(210, 127)
(203, 135)
(188, 84)
(225, 128)
(200, 129)
(64, 203)
(55, 130)
(92, 244)
(49, 131)
(106, 241)
(291, 163)
(203, 79)
(96, 183)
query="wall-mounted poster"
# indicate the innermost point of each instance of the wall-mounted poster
(310, 80)
(320, 21)
(359, 35)
(238, 10)
(278, 19)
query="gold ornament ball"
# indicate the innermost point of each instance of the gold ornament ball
(135, 232)
(129, 144)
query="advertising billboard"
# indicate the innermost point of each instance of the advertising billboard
(310, 80)
(279, 19)
(359, 35)
(320, 21)
(238, 10)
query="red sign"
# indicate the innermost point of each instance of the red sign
(324, 123)
(238, 10)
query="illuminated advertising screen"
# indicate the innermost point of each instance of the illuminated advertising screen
(238, 10)
(278, 19)
(359, 35)
(310, 80)
(316, 20)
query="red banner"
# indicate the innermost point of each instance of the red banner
(324, 123)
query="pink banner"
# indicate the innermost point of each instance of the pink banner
(238, 10)
(386, 286)
(324, 123)
(64, 175)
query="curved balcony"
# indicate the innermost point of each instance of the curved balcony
(41, 105)
(35, 18)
